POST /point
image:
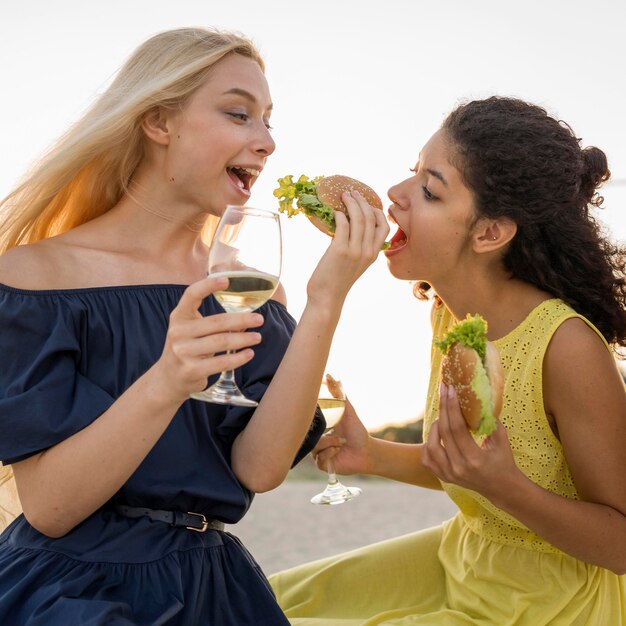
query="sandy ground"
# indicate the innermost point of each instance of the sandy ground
(283, 528)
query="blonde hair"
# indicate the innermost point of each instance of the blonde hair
(88, 171)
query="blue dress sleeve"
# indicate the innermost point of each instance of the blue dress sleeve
(254, 377)
(44, 397)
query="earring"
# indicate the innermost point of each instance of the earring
(494, 237)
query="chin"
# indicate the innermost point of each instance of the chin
(397, 271)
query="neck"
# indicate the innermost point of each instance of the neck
(156, 242)
(188, 217)
(504, 303)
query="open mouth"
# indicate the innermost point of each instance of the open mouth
(243, 177)
(398, 241)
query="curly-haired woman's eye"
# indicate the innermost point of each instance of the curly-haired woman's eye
(427, 194)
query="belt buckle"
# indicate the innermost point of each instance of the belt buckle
(203, 521)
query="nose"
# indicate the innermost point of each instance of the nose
(265, 143)
(394, 194)
(399, 192)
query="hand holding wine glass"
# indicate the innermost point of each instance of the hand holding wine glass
(332, 402)
(246, 249)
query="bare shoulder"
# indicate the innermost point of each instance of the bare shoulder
(280, 295)
(578, 363)
(575, 339)
(30, 266)
(577, 350)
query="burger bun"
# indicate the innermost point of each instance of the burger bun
(330, 189)
(457, 369)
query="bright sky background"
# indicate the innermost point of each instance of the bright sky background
(358, 86)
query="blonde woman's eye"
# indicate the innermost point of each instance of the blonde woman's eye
(244, 117)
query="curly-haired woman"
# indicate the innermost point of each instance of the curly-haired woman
(496, 219)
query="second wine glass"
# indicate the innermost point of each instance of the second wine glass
(247, 249)
(332, 402)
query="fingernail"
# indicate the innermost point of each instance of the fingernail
(451, 391)
(257, 318)
(442, 389)
(343, 440)
(221, 281)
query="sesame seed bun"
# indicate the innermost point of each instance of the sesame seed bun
(329, 191)
(457, 369)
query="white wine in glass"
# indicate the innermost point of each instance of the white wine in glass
(247, 249)
(332, 402)
(245, 291)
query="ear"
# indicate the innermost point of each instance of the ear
(156, 125)
(493, 234)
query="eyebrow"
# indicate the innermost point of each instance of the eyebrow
(438, 175)
(237, 91)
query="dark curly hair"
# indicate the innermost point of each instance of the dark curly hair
(522, 164)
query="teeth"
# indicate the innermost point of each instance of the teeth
(248, 170)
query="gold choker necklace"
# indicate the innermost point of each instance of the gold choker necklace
(196, 225)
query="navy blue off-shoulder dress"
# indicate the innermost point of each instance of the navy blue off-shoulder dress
(65, 356)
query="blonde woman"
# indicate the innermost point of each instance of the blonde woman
(107, 326)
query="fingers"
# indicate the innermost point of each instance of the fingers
(207, 336)
(193, 296)
(223, 362)
(368, 225)
(335, 387)
(449, 412)
(223, 323)
(212, 344)
(329, 441)
(322, 458)
(197, 347)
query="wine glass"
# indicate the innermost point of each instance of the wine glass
(247, 249)
(332, 402)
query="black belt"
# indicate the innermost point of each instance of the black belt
(189, 520)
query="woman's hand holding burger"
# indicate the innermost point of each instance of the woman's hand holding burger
(320, 198)
(453, 455)
(354, 248)
(467, 445)
(349, 211)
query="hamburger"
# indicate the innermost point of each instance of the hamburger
(472, 365)
(320, 197)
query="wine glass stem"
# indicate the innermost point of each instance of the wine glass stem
(332, 477)
(228, 376)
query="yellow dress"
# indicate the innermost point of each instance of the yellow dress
(482, 567)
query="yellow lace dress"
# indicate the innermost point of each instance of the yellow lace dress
(482, 567)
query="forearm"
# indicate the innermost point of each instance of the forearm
(591, 532)
(263, 452)
(62, 486)
(401, 462)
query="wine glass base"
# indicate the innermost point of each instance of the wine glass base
(220, 395)
(336, 493)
